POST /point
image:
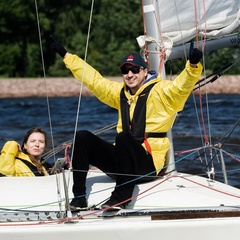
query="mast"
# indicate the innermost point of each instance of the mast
(151, 20)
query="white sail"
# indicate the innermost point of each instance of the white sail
(180, 20)
(169, 24)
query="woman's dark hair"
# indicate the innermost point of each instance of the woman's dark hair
(33, 130)
(25, 139)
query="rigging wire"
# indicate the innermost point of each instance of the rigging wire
(217, 149)
(206, 138)
(218, 73)
(44, 74)
(205, 27)
(163, 49)
(222, 144)
(181, 32)
(48, 106)
(70, 142)
(197, 13)
(206, 135)
(196, 22)
(80, 94)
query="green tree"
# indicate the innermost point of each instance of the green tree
(220, 58)
(115, 26)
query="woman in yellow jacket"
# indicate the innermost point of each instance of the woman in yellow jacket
(24, 161)
(146, 108)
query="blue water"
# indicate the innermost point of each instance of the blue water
(20, 114)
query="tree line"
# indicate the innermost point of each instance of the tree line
(25, 29)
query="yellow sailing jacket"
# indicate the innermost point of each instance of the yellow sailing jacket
(165, 99)
(16, 163)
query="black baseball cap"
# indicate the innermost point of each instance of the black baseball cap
(134, 59)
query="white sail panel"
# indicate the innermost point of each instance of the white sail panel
(177, 19)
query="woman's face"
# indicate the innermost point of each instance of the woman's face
(36, 144)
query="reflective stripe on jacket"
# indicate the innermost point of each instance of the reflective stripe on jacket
(164, 101)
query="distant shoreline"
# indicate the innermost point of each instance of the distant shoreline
(67, 87)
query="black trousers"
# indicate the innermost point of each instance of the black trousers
(123, 160)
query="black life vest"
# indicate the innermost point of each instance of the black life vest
(32, 167)
(138, 124)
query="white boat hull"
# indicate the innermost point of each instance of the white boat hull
(136, 228)
(173, 193)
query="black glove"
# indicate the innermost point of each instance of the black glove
(195, 55)
(57, 46)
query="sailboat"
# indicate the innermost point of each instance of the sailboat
(176, 205)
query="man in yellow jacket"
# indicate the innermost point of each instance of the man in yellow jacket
(146, 108)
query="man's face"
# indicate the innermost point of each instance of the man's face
(133, 76)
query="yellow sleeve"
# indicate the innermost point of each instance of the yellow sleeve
(106, 90)
(7, 158)
(177, 92)
(187, 79)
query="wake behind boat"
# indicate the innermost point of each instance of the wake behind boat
(176, 205)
